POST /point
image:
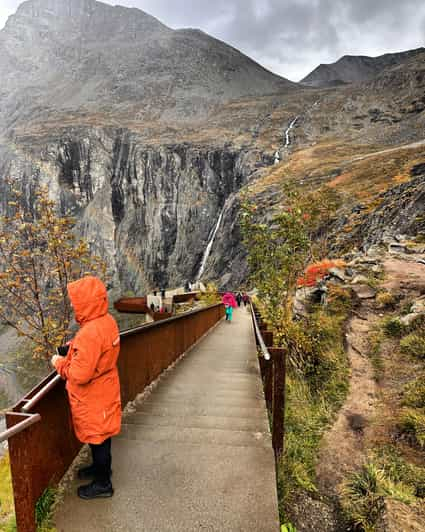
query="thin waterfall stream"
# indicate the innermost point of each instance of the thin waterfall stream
(287, 132)
(208, 249)
(287, 137)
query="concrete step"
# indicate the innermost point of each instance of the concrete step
(204, 401)
(172, 487)
(218, 394)
(201, 422)
(195, 436)
(185, 410)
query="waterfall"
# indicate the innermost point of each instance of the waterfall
(207, 251)
(291, 126)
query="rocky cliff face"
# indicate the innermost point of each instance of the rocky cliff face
(149, 210)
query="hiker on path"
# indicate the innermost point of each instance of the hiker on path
(230, 303)
(92, 382)
(245, 299)
(239, 299)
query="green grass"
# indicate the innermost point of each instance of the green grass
(364, 492)
(7, 509)
(399, 470)
(411, 424)
(43, 511)
(375, 345)
(313, 399)
(393, 327)
(414, 393)
(413, 344)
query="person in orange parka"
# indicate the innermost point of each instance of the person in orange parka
(92, 382)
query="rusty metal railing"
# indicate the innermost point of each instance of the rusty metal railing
(273, 371)
(42, 444)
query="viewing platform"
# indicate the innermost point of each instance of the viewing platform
(195, 451)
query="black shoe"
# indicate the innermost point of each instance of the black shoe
(95, 490)
(88, 473)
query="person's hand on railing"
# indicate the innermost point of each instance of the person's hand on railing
(54, 359)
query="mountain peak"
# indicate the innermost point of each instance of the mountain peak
(356, 68)
(80, 15)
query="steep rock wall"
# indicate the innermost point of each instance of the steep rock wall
(149, 210)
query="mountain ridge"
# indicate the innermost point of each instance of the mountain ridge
(84, 54)
(356, 68)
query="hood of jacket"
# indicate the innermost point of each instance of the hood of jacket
(89, 299)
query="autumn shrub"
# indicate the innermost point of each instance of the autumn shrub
(386, 300)
(317, 271)
(413, 345)
(339, 299)
(211, 295)
(39, 255)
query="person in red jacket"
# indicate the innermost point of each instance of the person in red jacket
(92, 382)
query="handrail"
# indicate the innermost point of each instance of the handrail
(263, 346)
(29, 405)
(39, 395)
(19, 427)
(161, 323)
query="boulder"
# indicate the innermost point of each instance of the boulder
(359, 279)
(409, 319)
(338, 274)
(396, 247)
(418, 307)
(307, 296)
(364, 291)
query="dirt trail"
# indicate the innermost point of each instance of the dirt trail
(343, 446)
(410, 146)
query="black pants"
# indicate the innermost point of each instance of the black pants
(102, 461)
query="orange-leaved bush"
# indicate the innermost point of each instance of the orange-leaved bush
(316, 272)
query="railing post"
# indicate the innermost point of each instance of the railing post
(267, 371)
(278, 408)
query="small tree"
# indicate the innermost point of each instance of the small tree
(280, 250)
(39, 255)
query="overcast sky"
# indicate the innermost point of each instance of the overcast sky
(291, 37)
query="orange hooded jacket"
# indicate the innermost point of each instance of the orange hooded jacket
(90, 367)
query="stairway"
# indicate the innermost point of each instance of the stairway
(196, 454)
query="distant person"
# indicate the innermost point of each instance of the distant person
(229, 303)
(90, 370)
(239, 298)
(245, 299)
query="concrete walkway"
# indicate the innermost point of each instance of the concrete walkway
(197, 454)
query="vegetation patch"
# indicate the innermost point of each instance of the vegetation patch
(413, 344)
(43, 511)
(412, 426)
(313, 399)
(7, 508)
(393, 327)
(364, 492)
